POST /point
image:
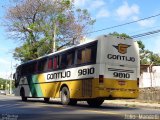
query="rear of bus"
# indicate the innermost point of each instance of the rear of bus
(119, 67)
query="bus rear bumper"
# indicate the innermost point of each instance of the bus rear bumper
(118, 93)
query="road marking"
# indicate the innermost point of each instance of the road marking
(105, 112)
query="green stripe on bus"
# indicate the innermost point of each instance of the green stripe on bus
(35, 89)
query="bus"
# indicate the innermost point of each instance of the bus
(105, 68)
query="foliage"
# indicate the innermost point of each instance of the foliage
(3, 84)
(118, 34)
(146, 57)
(37, 22)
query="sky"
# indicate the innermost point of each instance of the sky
(107, 13)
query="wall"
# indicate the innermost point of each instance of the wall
(150, 79)
(149, 94)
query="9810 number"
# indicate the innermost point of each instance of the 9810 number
(86, 71)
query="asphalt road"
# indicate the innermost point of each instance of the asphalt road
(12, 108)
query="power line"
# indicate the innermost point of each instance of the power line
(146, 34)
(134, 36)
(142, 30)
(124, 24)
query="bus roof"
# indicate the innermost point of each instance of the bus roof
(50, 54)
(81, 44)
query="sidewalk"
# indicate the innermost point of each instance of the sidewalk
(133, 103)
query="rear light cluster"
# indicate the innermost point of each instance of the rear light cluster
(138, 82)
(101, 79)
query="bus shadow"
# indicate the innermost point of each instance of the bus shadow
(84, 105)
(107, 107)
(41, 101)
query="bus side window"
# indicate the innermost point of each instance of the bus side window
(81, 56)
(36, 67)
(70, 58)
(55, 62)
(32, 69)
(63, 61)
(87, 55)
(42, 65)
(90, 54)
(45, 65)
(50, 63)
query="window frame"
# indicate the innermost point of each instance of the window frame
(67, 52)
(24, 70)
(94, 44)
(44, 68)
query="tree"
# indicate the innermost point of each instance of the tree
(4, 82)
(118, 34)
(146, 57)
(37, 22)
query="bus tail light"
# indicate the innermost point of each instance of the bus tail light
(101, 78)
(138, 82)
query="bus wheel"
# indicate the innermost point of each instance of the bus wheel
(95, 102)
(65, 96)
(22, 93)
(46, 100)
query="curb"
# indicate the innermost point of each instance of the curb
(132, 104)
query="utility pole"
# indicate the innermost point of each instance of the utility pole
(150, 70)
(10, 90)
(54, 38)
(6, 83)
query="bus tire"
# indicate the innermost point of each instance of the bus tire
(65, 97)
(95, 102)
(22, 93)
(46, 100)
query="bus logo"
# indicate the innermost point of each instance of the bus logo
(122, 48)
